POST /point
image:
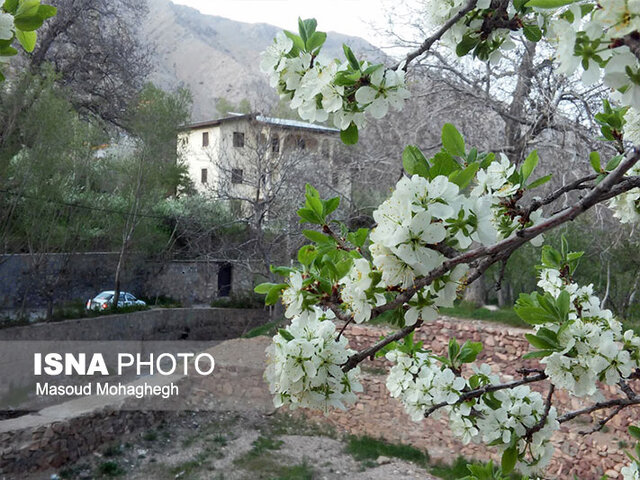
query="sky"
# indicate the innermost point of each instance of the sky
(350, 17)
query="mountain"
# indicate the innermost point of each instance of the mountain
(219, 58)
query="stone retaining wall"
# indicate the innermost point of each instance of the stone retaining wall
(155, 324)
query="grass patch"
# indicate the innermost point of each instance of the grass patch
(269, 329)
(368, 448)
(150, 436)
(504, 315)
(186, 469)
(110, 469)
(288, 424)
(296, 472)
(113, 450)
(239, 301)
(459, 470)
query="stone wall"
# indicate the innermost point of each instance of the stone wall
(26, 279)
(156, 324)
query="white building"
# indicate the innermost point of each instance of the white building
(246, 155)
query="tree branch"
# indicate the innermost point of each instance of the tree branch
(426, 45)
(478, 392)
(356, 358)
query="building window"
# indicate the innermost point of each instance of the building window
(238, 139)
(203, 175)
(205, 139)
(236, 175)
(275, 144)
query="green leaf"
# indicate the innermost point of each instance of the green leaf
(317, 237)
(330, 205)
(316, 41)
(548, 3)
(263, 288)
(274, 293)
(469, 351)
(613, 163)
(443, 164)
(551, 257)
(539, 342)
(27, 8)
(452, 141)
(532, 32)
(10, 6)
(537, 354)
(359, 237)
(529, 165)
(564, 304)
(540, 181)
(310, 25)
(350, 135)
(285, 334)
(454, 349)
(534, 315)
(594, 158)
(509, 459)
(463, 178)
(302, 29)
(351, 58)
(47, 11)
(635, 432)
(414, 161)
(310, 216)
(316, 205)
(27, 39)
(28, 24)
(297, 41)
(467, 44)
(306, 254)
(8, 51)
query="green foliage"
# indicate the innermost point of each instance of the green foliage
(269, 329)
(110, 469)
(368, 448)
(611, 121)
(468, 310)
(238, 301)
(225, 106)
(20, 20)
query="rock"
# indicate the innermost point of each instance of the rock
(382, 460)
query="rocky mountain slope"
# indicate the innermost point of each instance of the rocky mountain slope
(215, 57)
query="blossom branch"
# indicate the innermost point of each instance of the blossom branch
(428, 43)
(603, 422)
(478, 392)
(547, 407)
(618, 402)
(610, 187)
(356, 358)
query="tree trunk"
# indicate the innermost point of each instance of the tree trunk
(476, 293)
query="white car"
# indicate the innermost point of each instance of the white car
(103, 300)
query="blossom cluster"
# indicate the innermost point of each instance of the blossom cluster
(626, 206)
(303, 364)
(593, 40)
(319, 88)
(631, 472)
(591, 343)
(502, 418)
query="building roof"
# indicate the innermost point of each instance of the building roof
(279, 122)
